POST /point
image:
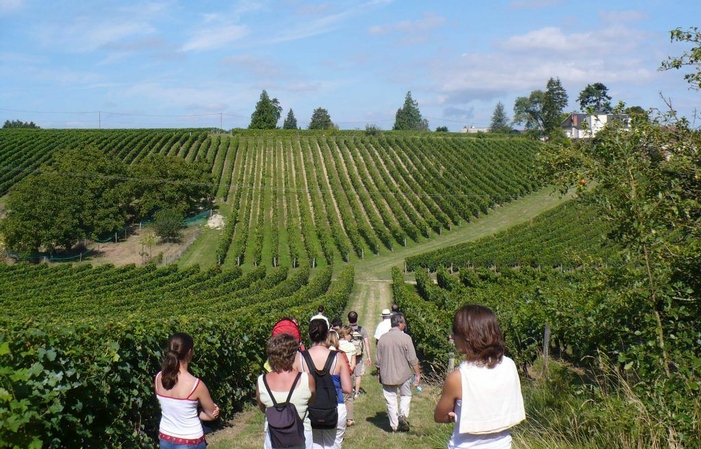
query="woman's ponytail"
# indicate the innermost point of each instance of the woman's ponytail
(179, 345)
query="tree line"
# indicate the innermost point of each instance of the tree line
(268, 112)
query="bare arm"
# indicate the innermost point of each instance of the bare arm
(261, 406)
(368, 360)
(210, 410)
(452, 390)
(346, 385)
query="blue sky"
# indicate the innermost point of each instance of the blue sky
(129, 64)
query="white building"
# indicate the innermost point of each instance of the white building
(581, 126)
(472, 130)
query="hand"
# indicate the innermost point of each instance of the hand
(368, 362)
(451, 416)
(215, 413)
(417, 379)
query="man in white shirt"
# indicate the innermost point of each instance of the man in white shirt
(384, 326)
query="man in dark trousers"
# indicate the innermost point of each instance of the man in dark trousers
(395, 358)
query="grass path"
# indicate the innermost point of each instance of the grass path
(372, 293)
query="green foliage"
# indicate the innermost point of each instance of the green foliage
(321, 119)
(266, 114)
(169, 182)
(409, 117)
(554, 103)
(290, 121)
(500, 121)
(647, 184)
(80, 194)
(372, 130)
(529, 111)
(167, 224)
(19, 124)
(595, 96)
(85, 378)
(569, 236)
(442, 129)
(690, 58)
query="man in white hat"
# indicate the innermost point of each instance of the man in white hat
(384, 326)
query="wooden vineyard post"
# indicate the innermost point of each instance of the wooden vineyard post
(546, 348)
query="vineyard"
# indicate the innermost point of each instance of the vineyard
(565, 237)
(310, 198)
(79, 343)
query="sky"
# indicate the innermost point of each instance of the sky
(175, 64)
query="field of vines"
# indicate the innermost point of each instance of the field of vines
(315, 198)
(566, 237)
(79, 344)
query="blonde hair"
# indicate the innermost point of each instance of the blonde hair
(344, 331)
(332, 339)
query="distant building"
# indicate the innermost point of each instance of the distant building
(581, 126)
(472, 130)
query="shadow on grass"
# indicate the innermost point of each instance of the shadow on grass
(380, 420)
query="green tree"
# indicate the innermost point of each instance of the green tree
(500, 121)
(43, 212)
(637, 114)
(167, 224)
(647, 183)
(442, 129)
(408, 117)
(79, 194)
(19, 124)
(554, 102)
(99, 181)
(595, 95)
(267, 113)
(321, 119)
(290, 122)
(169, 182)
(688, 58)
(529, 112)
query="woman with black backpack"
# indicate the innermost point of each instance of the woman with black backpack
(332, 376)
(282, 390)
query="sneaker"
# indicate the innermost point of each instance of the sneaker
(403, 424)
(356, 395)
(350, 422)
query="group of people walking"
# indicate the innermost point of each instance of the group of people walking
(307, 394)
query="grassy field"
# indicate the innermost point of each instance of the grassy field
(370, 295)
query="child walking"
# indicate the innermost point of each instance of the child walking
(483, 396)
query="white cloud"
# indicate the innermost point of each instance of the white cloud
(212, 37)
(91, 31)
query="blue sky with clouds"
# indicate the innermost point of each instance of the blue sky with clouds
(168, 63)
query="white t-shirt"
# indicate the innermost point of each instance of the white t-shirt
(382, 328)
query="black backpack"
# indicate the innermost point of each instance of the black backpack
(284, 424)
(323, 412)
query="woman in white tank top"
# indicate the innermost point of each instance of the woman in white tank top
(180, 394)
(483, 396)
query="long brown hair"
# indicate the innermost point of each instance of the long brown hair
(477, 326)
(179, 345)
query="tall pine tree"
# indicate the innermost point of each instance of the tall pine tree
(267, 113)
(290, 121)
(500, 122)
(409, 117)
